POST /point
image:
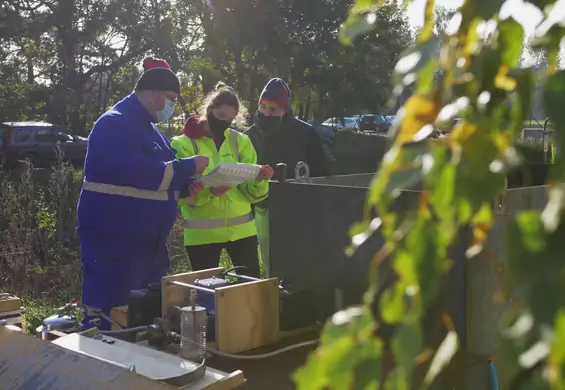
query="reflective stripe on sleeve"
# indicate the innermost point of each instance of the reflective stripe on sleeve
(234, 135)
(217, 223)
(111, 189)
(167, 177)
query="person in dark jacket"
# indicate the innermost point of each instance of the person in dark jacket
(128, 202)
(279, 137)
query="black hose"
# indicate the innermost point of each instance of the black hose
(225, 272)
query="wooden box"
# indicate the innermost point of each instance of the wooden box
(119, 314)
(9, 303)
(10, 311)
(247, 314)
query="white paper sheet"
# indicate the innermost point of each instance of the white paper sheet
(228, 174)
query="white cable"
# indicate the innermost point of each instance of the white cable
(264, 355)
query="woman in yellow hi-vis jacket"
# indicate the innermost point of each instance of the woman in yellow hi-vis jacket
(218, 218)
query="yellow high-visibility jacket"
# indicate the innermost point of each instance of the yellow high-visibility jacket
(209, 219)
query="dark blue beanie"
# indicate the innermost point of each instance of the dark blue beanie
(276, 91)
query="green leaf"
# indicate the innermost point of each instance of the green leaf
(531, 228)
(510, 41)
(392, 304)
(417, 57)
(360, 232)
(351, 320)
(347, 348)
(522, 99)
(362, 6)
(335, 367)
(484, 9)
(397, 380)
(553, 102)
(354, 26)
(556, 361)
(407, 345)
(443, 191)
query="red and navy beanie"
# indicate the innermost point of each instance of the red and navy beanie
(157, 76)
(278, 92)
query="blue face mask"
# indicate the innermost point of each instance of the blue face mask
(167, 112)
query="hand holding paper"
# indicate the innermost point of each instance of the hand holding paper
(194, 188)
(201, 163)
(230, 175)
(265, 173)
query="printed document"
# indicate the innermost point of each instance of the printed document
(229, 174)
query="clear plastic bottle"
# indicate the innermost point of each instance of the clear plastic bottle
(193, 333)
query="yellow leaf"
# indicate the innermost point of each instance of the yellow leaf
(419, 112)
(462, 132)
(502, 80)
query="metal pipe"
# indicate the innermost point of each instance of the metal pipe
(249, 278)
(242, 277)
(281, 172)
(545, 140)
(186, 285)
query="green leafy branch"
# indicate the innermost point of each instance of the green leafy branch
(403, 337)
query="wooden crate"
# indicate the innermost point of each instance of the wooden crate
(120, 315)
(9, 303)
(10, 311)
(247, 314)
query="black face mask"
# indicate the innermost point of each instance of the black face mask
(217, 126)
(269, 122)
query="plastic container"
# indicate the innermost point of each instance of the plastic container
(193, 333)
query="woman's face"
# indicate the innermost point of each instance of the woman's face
(225, 113)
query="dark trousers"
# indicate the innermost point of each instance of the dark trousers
(242, 253)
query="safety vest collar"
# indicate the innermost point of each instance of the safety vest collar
(231, 135)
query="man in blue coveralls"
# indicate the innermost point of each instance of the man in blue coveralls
(132, 182)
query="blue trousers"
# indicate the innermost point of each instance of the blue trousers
(106, 283)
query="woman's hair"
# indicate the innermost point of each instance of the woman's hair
(220, 96)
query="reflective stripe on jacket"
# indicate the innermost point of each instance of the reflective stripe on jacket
(209, 219)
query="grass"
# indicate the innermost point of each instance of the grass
(39, 309)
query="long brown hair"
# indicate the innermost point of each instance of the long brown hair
(220, 96)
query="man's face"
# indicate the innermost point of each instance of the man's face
(270, 109)
(159, 99)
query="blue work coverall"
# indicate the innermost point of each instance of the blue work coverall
(128, 205)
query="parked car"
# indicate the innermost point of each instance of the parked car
(348, 122)
(371, 123)
(391, 118)
(40, 143)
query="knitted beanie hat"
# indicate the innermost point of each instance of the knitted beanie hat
(278, 92)
(157, 76)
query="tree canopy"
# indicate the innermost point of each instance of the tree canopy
(66, 61)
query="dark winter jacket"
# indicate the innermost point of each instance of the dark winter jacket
(293, 142)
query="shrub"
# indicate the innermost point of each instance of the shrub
(39, 248)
